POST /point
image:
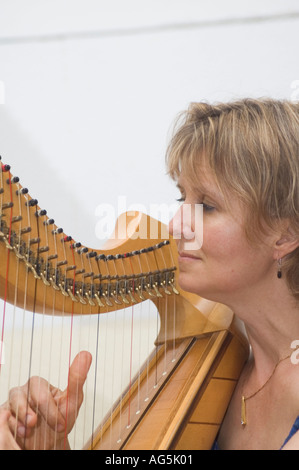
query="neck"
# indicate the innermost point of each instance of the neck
(271, 322)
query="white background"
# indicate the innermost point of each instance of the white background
(92, 89)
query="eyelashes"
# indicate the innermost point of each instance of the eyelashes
(206, 207)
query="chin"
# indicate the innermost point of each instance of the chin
(188, 284)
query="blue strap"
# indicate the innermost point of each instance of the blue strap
(293, 431)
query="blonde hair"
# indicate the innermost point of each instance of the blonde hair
(251, 147)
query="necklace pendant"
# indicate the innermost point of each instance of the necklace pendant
(243, 411)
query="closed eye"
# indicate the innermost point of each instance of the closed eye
(207, 208)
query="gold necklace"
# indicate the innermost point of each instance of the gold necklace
(244, 399)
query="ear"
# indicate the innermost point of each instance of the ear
(287, 243)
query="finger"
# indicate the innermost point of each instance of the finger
(20, 408)
(7, 442)
(4, 416)
(77, 375)
(42, 401)
(31, 399)
(18, 429)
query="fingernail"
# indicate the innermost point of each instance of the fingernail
(21, 431)
(60, 427)
(28, 418)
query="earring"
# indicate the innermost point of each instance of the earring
(279, 273)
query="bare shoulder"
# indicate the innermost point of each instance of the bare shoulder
(291, 382)
(293, 443)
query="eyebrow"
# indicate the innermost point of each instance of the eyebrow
(203, 189)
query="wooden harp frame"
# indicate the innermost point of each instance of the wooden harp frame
(139, 262)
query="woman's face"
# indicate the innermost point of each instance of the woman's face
(225, 265)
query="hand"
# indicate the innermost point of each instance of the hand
(43, 415)
(7, 441)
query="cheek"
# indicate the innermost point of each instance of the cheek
(232, 262)
(228, 256)
(228, 263)
(222, 243)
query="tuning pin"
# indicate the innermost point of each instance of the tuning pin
(75, 245)
(14, 179)
(101, 257)
(66, 239)
(57, 231)
(32, 202)
(21, 191)
(41, 212)
(5, 167)
(49, 222)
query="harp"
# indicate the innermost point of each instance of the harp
(176, 392)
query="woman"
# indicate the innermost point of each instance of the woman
(241, 162)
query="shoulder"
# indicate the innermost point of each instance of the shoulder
(289, 378)
(292, 442)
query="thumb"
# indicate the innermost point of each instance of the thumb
(78, 374)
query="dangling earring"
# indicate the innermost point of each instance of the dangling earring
(279, 273)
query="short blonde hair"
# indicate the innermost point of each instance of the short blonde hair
(251, 147)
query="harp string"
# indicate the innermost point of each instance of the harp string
(12, 325)
(22, 332)
(97, 316)
(7, 261)
(44, 327)
(51, 334)
(26, 282)
(32, 339)
(174, 312)
(131, 350)
(139, 359)
(16, 290)
(95, 378)
(100, 327)
(70, 353)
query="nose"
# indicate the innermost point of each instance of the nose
(187, 225)
(183, 222)
(176, 225)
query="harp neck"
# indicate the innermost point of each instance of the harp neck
(47, 271)
(84, 280)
